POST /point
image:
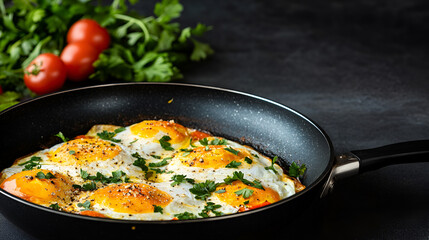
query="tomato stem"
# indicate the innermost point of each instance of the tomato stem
(139, 23)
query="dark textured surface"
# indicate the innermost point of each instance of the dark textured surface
(358, 68)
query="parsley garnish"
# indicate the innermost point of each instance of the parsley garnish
(218, 141)
(185, 216)
(248, 160)
(255, 155)
(34, 162)
(71, 152)
(233, 164)
(178, 179)
(240, 177)
(204, 142)
(210, 207)
(156, 156)
(232, 150)
(272, 165)
(55, 206)
(220, 191)
(117, 177)
(61, 135)
(158, 209)
(190, 143)
(160, 164)
(245, 192)
(131, 143)
(165, 144)
(105, 135)
(203, 190)
(140, 162)
(89, 186)
(297, 171)
(41, 175)
(85, 205)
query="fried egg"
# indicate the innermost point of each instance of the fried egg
(151, 170)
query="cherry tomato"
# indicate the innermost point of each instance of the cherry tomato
(45, 74)
(78, 58)
(87, 30)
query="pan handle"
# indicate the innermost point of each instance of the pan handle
(360, 161)
(405, 152)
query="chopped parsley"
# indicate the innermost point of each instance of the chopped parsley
(246, 202)
(272, 165)
(165, 144)
(215, 141)
(140, 162)
(160, 164)
(204, 142)
(248, 160)
(41, 175)
(218, 141)
(117, 177)
(158, 209)
(240, 177)
(105, 135)
(86, 205)
(34, 162)
(255, 155)
(156, 156)
(297, 171)
(190, 143)
(71, 152)
(210, 207)
(185, 216)
(203, 190)
(178, 179)
(61, 135)
(233, 164)
(220, 191)
(186, 151)
(55, 206)
(245, 192)
(89, 186)
(232, 150)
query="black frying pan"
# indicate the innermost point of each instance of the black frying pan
(271, 128)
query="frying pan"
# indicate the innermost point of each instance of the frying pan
(267, 126)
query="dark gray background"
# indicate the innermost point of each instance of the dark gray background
(359, 69)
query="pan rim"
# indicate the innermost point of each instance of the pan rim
(309, 188)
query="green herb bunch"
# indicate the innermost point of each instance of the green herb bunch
(142, 48)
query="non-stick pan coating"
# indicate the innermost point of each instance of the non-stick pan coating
(265, 125)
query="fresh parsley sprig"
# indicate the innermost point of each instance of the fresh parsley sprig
(240, 177)
(245, 192)
(203, 190)
(165, 144)
(273, 161)
(210, 207)
(297, 171)
(34, 162)
(185, 216)
(105, 135)
(178, 179)
(41, 175)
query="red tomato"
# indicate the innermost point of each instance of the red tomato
(87, 30)
(45, 74)
(78, 58)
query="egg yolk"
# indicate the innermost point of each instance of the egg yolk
(212, 156)
(258, 197)
(85, 150)
(28, 186)
(131, 198)
(149, 129)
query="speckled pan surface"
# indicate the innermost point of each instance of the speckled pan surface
(267, 126)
